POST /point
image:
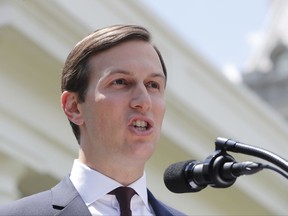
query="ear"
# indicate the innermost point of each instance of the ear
(70, 104)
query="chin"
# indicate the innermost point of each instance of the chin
(145, 153)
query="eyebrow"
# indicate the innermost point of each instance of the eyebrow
(153, 74)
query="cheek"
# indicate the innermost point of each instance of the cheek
(110, 111)
(160, 109)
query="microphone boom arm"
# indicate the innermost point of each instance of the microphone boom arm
(225, 144)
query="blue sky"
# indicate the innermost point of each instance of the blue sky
(222, 31)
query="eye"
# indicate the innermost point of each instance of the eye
(120, 82)
(153, 85)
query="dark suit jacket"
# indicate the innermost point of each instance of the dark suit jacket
(64, 200)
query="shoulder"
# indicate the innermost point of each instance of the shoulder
(173, 211)
(161, 208)
(62, 199)
(37, 204)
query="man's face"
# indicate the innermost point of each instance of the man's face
(124, 105)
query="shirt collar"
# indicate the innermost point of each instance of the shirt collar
(92, 185)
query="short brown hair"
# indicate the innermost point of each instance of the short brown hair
(76, 70)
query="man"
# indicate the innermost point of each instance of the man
(113, 94)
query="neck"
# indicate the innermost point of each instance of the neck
(121, 171)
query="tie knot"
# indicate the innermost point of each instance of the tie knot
(124, 195)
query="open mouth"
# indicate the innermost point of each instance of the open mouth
(141, 125)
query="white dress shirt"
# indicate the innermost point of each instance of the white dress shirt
(94, 186)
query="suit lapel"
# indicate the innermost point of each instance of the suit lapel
(160, 209)
(67, 200)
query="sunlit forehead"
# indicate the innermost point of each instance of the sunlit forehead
(134, 59)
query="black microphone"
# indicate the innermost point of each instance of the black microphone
(218, 170)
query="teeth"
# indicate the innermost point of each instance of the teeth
(140, 123)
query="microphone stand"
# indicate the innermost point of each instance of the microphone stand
(220, 169)
(223, 145)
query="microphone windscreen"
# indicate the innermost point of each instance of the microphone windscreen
(175, 178)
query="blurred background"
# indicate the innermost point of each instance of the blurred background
(227, 77)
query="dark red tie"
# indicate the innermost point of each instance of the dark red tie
(124, 195)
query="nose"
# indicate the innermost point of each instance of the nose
(141, 99)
